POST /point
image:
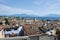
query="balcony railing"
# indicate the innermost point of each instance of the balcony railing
(33, 37)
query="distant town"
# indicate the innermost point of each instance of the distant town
(17, 27)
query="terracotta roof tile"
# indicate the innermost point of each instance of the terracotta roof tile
(29, 30)
(1, 27)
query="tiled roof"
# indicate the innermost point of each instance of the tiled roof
(28, 30)
(1, 27)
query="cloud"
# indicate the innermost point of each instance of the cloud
(48, 6)
(40, 8)
(11, 10)
(39, 2)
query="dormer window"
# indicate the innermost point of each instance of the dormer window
(7, 29)
(45, 24)
(15, 28)
(51, 33)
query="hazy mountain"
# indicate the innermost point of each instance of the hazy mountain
(18, 15)
(4, 15)
(25, 15)
(52, 15)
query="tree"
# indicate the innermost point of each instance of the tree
(7, 22)
(57, 32)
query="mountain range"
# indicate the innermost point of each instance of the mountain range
(52, 15)
(25, 15)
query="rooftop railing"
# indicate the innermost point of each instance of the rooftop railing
(33, 37)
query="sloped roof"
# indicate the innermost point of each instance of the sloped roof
(13, 31)
(42, 29)
(28, 30)
(1, 27)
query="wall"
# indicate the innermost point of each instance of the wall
(35, 37)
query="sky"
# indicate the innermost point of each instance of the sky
(30, 7)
